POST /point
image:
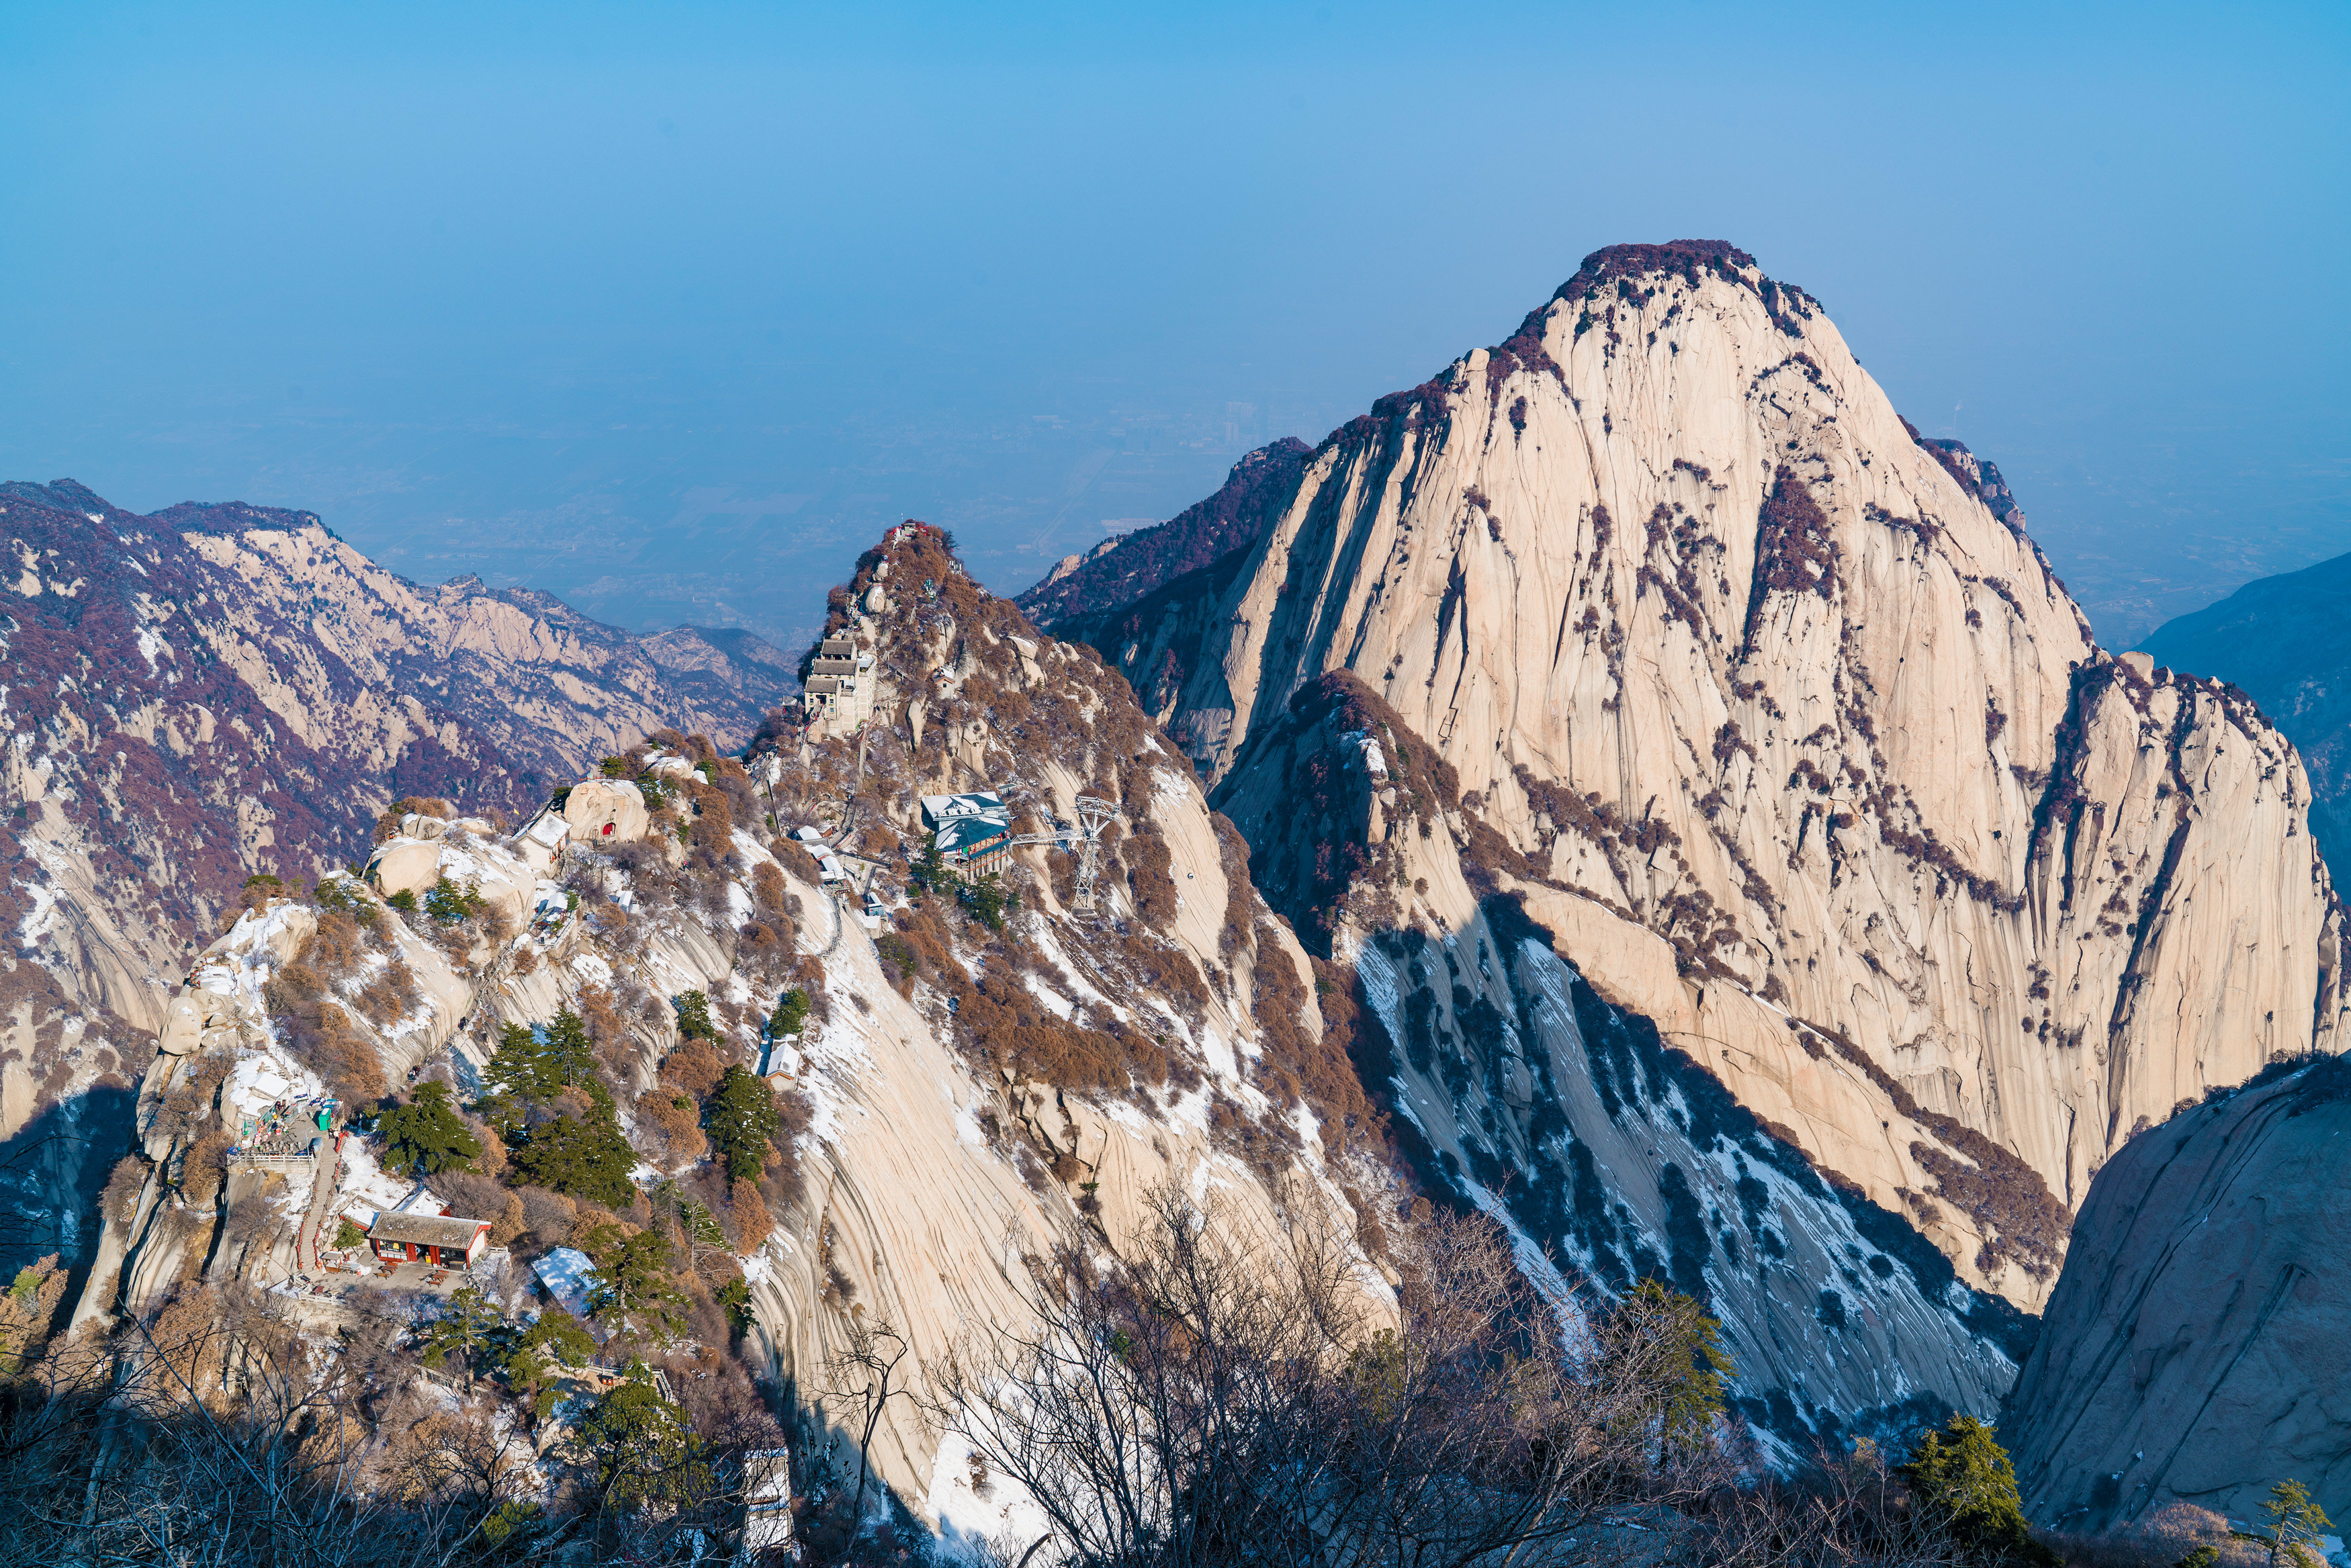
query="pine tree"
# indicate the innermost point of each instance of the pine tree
(929, 873)
(693, 1016)
(532, 1066)
(742, 1123)
(570, 1057)
(587, 1160)
(1677, 1350)
(641, 1447)
(791, 1013)
(532, 1360)
(987, 900)
(634, 1291)
(427, 1134)
(2296, 1522)
(471, 1327)
(1964, 1477)
(448, 902)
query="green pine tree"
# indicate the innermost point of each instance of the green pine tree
(448, 903)
(1964, 1477)
(987, 900)
(2296, 1522)
(930, 871)
(633, 1293)
(533, 1066)
(735, 1295)
(742, 1123)
(1676, 1349)
(533, 1361)
(791, 1013)
(588, 1159)
(641, 1448)
(427, 1134)
(470, 1329)
(693, 1016)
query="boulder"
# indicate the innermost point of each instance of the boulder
(605, 811)
(405, 866)
(507, 887)
(2195, 1347)
(183, 1027)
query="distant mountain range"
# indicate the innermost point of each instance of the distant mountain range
(215, 690)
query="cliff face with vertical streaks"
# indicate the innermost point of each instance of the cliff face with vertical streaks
(1725, 668)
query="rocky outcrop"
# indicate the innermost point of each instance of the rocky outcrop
(1707, 641)
(2195, 1348)
(973, 1084)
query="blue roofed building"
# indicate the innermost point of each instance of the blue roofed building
(973, 832)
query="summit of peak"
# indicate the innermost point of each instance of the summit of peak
(1612, 261)
(1626, 266)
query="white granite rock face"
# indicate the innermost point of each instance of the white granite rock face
(1711, 640)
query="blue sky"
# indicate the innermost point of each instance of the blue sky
(671, 309)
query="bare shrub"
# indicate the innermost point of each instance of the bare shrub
(2160, 1539)
(120, 1202)
(694, 1067)
(674, 1120)
(390, 995)
(479, 1197)
(549, 1215)
(747, 1218)
(202, 1168)
(1224, 1391)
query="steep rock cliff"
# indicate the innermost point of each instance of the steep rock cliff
(1499, 1065)
(1716, 651)
(2195, 1348)
(969, 1092)
(1546, 1060)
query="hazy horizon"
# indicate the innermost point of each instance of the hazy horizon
(669, 314)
